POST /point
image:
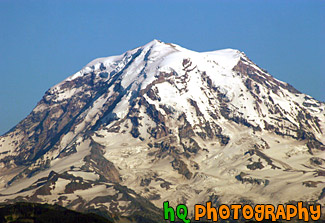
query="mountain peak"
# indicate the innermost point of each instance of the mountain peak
(154, 42)
(163, 56)
(126, 132)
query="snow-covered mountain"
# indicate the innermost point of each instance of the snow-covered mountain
(161, 122)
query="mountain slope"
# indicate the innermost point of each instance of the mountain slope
(161, 122)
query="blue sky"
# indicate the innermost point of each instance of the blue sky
(43, 42)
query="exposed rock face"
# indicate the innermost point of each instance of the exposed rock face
(164, 123)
